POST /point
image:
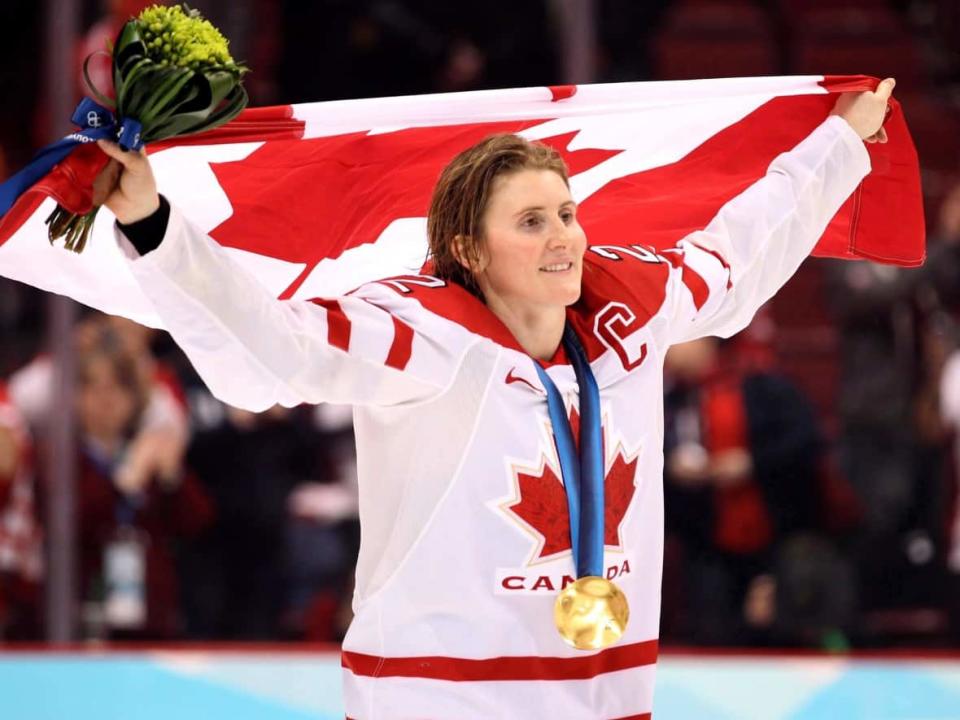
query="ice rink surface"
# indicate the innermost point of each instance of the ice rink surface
(276, 685)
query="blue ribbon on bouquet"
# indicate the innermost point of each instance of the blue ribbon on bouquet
(96, 123)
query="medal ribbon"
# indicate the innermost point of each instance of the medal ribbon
(583, 475)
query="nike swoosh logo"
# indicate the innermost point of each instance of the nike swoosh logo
(511, 378)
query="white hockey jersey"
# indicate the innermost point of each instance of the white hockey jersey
(465, 533)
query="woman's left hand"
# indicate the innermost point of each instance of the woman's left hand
(866, 111)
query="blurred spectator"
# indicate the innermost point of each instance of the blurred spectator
(279, 540)
(31, 389)
(884, 313)
(950, 413)
(325, 515)
(21, 562)
(877, 336)
(129, 521)
(942, 268)
(945, 345)
(895, 335)
(742, 456)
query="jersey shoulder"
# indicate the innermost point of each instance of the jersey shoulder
(623, 288)
(425, 300)
(630, 276)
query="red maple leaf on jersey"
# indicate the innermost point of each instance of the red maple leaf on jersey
(542, 504)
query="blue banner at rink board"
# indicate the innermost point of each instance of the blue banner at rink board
(300, 686)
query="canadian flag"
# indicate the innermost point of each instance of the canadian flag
(316, 199)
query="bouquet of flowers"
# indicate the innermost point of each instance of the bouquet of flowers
(173, 75)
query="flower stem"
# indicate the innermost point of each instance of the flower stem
(75, 229)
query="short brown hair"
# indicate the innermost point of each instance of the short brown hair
(126, 370)
(462, 193)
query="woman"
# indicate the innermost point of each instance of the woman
(130, 523)
(467, 538)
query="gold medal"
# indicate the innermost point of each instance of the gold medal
(591, 613)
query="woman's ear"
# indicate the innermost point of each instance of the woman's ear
(461, 251)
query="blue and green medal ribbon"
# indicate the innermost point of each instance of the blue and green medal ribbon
(590, 613)
(582, 472)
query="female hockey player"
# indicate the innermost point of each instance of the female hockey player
(508, 411)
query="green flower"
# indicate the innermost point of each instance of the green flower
(183, 38)
(172, 71)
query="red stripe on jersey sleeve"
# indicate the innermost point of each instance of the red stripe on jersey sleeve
(721, 260)
(697, 285)
(691, 278)
(338, 324)
(402, 345)
(503, 668)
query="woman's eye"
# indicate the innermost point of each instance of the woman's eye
(530, 221)
(567, 216)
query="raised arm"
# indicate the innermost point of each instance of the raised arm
(254, 351)
(759, 238)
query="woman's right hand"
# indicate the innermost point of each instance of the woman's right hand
(126, 186)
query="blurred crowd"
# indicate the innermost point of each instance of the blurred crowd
(194, 519)
(812, 474)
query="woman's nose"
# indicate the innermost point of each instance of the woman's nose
(559, 235)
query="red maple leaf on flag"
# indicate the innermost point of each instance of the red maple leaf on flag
(542, 502)
(328, 194)
(325, 195)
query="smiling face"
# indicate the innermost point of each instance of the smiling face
(532, 245)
